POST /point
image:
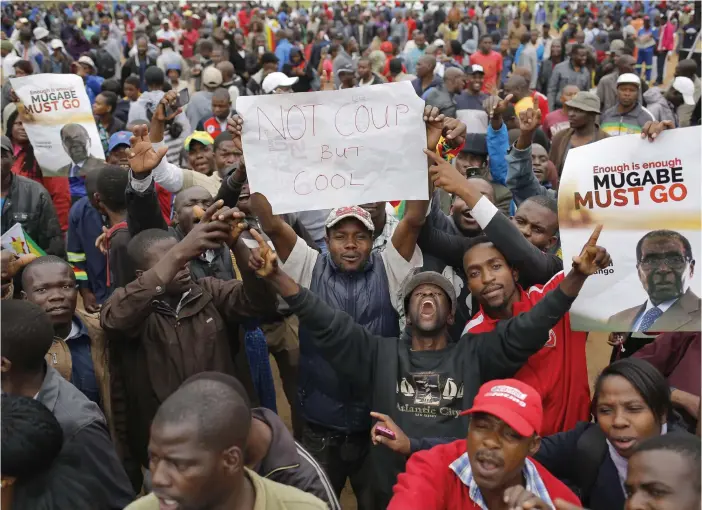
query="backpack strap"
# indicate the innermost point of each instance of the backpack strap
(591, 450)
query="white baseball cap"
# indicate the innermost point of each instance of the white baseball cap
(40, 33)
(686, 87)
(164, 21)
(87, 61)
(629, 78)
(275, 80)
(56, 44)
(212, 77)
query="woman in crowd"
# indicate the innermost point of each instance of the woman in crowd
(27, 166)
(631, 403)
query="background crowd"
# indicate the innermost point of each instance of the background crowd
(204, 359)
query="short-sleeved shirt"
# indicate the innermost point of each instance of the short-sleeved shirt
(300, 265)
(492, 65)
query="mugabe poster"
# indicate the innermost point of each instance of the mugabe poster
(647, 197)
(58, 118)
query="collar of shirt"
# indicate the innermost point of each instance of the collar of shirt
(78, 329)
(663, 307)
(621, 463)
(534, 483)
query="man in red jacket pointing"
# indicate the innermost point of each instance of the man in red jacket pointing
(491, 469)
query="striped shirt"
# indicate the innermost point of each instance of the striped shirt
(534, 483)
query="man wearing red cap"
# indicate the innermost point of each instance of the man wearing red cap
(492, 468)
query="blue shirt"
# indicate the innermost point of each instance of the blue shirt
(84, 226)
(282, 51)
(83, 372)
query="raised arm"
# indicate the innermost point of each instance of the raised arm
(505, 349)
(497, 137)
(129, 306)
(521, 180)
(536, 266)
(346, 345)
(282, 235)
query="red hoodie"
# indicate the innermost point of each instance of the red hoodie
(428, 482)
(558, 371)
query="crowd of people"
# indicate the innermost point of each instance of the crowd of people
(424, 347)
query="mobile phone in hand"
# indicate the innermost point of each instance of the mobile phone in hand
(385, 432)
(182, 100)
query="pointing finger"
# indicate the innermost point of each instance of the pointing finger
(595, 236)
(258, 238)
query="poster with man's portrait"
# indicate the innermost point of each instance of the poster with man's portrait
(647, 197)
(57, 116)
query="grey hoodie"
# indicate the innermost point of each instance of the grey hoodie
(658, 105)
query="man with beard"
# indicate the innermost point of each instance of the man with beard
(76, 143)
(492, 467)
(666, 265)
(421, 380)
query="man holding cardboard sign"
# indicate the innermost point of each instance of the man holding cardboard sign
(364, 284)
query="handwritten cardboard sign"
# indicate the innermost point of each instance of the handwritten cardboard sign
(647, 197)
(318, 150)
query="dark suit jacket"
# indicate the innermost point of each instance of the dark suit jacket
(684, 315)
(92, 163)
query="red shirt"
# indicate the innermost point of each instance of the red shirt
(429, 484)
(542, 101)
(492, 65)
(558, 371)
(244, 18)
(188, 41)
(411, 26)
(58, 187)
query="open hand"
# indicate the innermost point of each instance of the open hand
(435, 125)
(652, 129)
(493, 105)
(401, 443)
(142, 156)
(529, 120)
(443, 174)
(592, 258)
(518, 498)
(263, 260)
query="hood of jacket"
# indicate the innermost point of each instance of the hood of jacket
(654, 96)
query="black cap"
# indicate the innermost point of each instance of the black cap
(476, 143)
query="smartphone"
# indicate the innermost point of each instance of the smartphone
(182, 100)
(261, 50)
(383, 431)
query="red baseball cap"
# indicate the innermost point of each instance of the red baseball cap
(514, 402)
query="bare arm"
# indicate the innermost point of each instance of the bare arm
(282, 234)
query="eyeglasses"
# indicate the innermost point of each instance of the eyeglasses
(672, 261)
